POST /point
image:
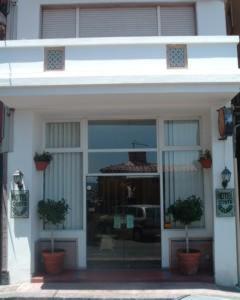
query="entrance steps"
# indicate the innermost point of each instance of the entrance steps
(118, 276)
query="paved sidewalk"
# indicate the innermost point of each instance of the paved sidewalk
(126, 291)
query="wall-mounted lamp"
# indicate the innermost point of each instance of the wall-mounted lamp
(18, 179)
(226, 176)
(19, 197)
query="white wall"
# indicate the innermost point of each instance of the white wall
(225, 252)
(23, 232)
(210, 15)
(119, 60)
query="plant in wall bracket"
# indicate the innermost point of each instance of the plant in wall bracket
(54, 213)
(206, 159)
(187, 211)
(42, 160)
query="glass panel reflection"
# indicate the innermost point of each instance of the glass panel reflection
(122, 162)
(123, 222)
(182, 177)
(122, 134)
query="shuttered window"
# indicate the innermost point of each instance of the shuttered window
(100, 22)
(58, 23)
(118, 21)
(177, 20)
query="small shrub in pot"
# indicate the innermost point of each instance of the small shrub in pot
(54, 213)
(186, 212)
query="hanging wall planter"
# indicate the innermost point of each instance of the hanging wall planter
(206, 159)
(42, 160)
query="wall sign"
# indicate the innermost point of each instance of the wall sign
(225, 203)
(19, 203)
(225, 122)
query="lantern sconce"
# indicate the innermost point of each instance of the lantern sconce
(18, 179)
(226, 177)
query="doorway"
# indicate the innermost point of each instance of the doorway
(123, 221)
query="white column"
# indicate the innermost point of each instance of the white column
(211, 17)
(23, 233)
(225, 254)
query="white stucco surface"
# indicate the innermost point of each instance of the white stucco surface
(104, 61)
(225, 249)
(28, 24)
(23, 232)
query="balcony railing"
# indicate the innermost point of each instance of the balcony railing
(119, 60)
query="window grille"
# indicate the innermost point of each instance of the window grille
(176, 56)
(54, 59)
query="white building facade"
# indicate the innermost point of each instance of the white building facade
(125, 96)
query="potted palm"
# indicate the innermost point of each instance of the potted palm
(53, 213)
(186, 212)
(42, 160)
(206, 159)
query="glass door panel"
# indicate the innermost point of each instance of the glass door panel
(123, 221)
(142, 245)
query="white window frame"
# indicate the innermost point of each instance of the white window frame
(81, 234)
(126, 150)
(79, 150)
(164, 148)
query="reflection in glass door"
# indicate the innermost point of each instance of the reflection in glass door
(123, 222)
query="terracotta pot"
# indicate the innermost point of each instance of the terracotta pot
(53, 262)
(188, 263)
(206, 163)
(41, 165)
(167, 225)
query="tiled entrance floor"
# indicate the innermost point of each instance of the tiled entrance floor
(122, 276)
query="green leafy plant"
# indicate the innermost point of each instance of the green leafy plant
(54, 213)
(45, 156)
(206, 155)
(186, 212)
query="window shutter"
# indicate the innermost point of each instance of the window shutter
(126, 21)
(58, 23)
(178, 20)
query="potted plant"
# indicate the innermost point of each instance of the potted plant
(53, 213)
(187, 211)
(206, 159)
(42, 160)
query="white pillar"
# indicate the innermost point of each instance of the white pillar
(225, 252)
(23, 233)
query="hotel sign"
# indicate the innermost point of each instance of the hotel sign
(20, 204)
(225, 203)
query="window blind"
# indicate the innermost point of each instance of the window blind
(64, 180)
(58, 23)
(177, 20)
(117, 21)
(103, 22)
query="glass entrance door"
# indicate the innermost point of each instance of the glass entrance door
(123, 222)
